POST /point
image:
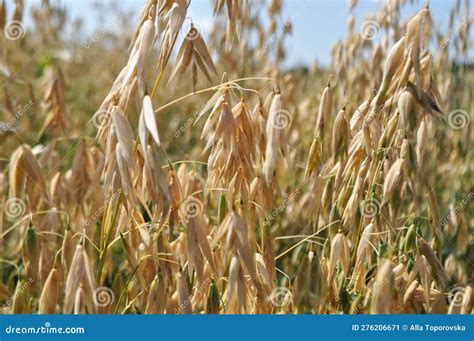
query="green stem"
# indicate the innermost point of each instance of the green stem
(106, 242)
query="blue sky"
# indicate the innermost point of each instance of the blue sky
(317, 24)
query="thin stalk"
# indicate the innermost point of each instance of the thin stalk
(212, 88)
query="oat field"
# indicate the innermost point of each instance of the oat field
(161, 169)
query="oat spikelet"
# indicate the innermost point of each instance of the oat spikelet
(50, 294)
(339, 252)
(383, 290)
(275, 135)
